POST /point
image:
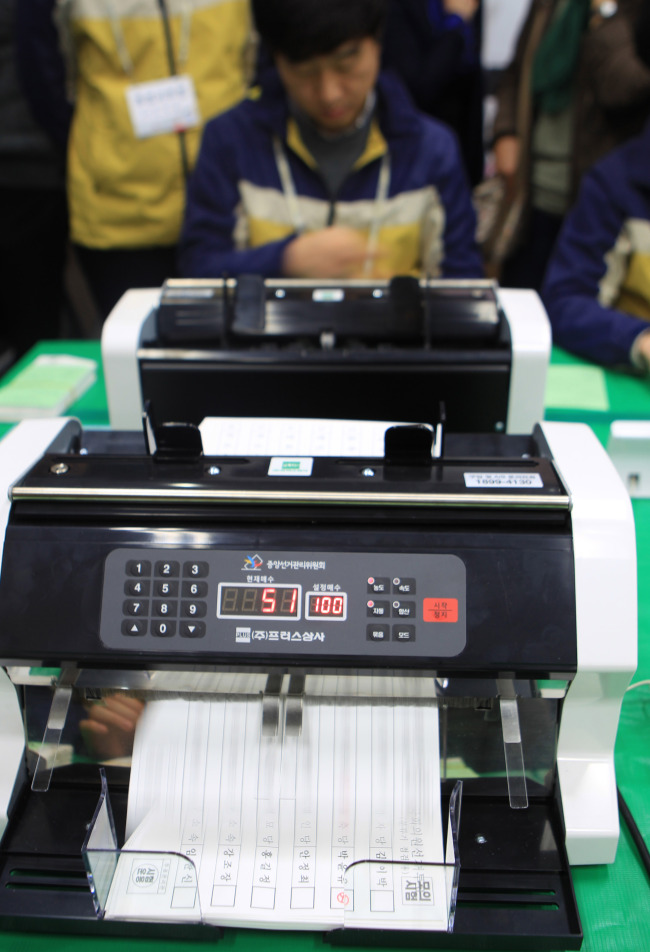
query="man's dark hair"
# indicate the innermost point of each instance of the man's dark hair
(300, 29)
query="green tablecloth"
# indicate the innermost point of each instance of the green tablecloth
(614, 901)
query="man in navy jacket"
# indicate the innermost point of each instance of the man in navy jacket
(328, 170)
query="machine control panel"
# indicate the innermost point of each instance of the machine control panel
(285, 602)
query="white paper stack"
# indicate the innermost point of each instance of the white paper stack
(274, 436)
(234, 827)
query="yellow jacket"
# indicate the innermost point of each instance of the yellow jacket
(126, 192)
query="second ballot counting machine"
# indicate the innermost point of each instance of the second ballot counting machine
(331, 656)
(368, 350)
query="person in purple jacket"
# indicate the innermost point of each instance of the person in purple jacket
(597, 287)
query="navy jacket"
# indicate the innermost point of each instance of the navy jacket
(239, 219)
(608, 225)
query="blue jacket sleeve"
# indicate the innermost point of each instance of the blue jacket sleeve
(571, 288)
(207, 246)
(41, 68)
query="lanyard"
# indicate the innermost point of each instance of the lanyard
(383, 184)
(184, 42)
(295, 212)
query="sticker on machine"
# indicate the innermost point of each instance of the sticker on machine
(503, 481)
(291, 466)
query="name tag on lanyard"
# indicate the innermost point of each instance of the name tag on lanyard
(163, 105)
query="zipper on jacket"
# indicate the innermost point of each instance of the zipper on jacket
(295, 213)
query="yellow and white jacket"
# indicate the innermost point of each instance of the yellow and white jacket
(124, 191)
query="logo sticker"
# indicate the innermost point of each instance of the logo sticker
(291, 466)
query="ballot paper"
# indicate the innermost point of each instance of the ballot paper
(274, 436)
(46, 387)
(232, 826)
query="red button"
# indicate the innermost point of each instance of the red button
(440, 609)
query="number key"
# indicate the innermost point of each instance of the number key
(195, 589)
(137, 587)
(163, 629)
(167, 569)
(135, 607)
(138, 568)
(195, 569)
(166, 589)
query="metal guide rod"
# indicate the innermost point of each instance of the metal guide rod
(514, 754)
(53, 730)
(271, 705)
(294, 708)
(279, 497)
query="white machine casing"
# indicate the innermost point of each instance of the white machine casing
(629, 448)
(132, 323)
(606, 607)
(18, 450)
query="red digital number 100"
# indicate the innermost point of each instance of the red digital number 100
(332, 605)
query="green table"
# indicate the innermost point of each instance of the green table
(614, 901)
(580, 391)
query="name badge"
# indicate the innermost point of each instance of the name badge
(163, 105)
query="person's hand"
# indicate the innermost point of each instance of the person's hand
(110, 726)
(507, 153)
(334, 252)
(642, 347)
(465, 9)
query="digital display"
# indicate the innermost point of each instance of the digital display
(327, 605)
(258, 601)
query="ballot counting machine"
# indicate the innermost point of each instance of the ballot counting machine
(370, 350)
(500, 574)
